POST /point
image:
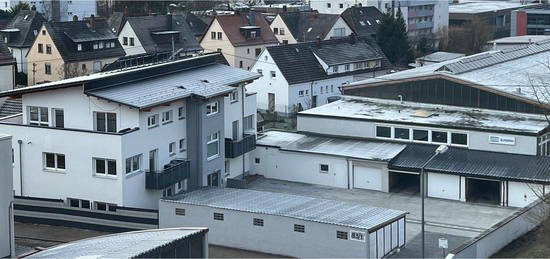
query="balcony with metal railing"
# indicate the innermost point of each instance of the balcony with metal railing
(237, 148)
(176, 171)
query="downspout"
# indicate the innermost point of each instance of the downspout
(20, 142)
(347, 165)
(10, 234)
(242, 122)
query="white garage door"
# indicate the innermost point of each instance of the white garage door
(367, 178)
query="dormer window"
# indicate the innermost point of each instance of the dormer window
(79, 47)
(335, 69)
(96, 45)
(252, 34)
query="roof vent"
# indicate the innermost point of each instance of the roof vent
(422, 114)
(518, 90)
(180, 87)
(204, 81)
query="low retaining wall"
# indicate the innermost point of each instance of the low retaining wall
(504, 232)
(55, 212)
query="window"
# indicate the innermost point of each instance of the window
(182, 144)
(75, 203)
(247, 51)
(125, 41)
(106, 167)
(257, 160)
(213, 178)
(219, 35)
(40, 48)
(248, 123)
(84, 68)
(285, 42)
(105, 122)
(85, 204)
(335, 69)
(383, 132)
(257, 51)
(299, 228)
(260, 72)
(54, 161)
(104, 206)
(219, 50)
(47, 68)
(181, 113)
(439, 136)
(329, 5)
(112, 44)
(307, 92)
(339, 32)
(180, 212)
(213, 35)
(420, 135)
(342, 235)
(38, 116)
(212, 108)
(300, 93)
(218, 216)
(459, 139)
(131, 41)
(234, 96)
(172, 148)
(153, 121)
(341, 5)
(97, 66)
(79, 47)
(167, 117)
(275, 31)
(281, 31)
(96, 46)
(258, 222)
(323, 168)
(133, 164)
(212, 146)
(58, 118)
(43, 32)
(240, 64)
(401, 133)
(273, 75)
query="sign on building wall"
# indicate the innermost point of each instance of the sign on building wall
(502, 140)
(357, 236)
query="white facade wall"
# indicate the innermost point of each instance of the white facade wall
(318, 240)
(67, 8)
(20, 55)
(128, 32)
(7, 245)
(336, 6)
(339, 24)
(268, 84)
(7, 74)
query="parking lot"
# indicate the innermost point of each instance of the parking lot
(457, 221)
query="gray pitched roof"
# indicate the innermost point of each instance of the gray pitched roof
(299, 23)
(474, 163)
(298, 64)
(292, 206)
(196, 24)
(66, 36)
(364, 21)
(5, 54)
(26, 22)
(116, 21)
(145, 28)
(10, 106)
(346, 52)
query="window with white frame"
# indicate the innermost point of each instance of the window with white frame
(38, 116)
(181, 113)
(182, 145)
(248, 123)
(105, 121)
(104, 206)
(301, 93)
(104, 167)
(459, 139)
(234, 96)
(273, 74)
(323, 168)
(58, 118)
(172, 148)
(383, 132)
(212, 108)
(281, 31)
(166, 117)
(260, 72)
(212, 146)
(55, 162)
(401, 133)
(133, 164)
(421, 135)
(335, 69)
(439, 136)
(153, 121)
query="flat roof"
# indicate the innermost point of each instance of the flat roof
(334, 146)
(292, 206)
(433, 115)
(123, 245)
(524, 39)
(473, 7)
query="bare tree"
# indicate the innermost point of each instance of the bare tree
(469, 38)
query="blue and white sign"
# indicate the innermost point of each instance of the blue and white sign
(502, 140)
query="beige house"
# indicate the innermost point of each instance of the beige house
(240, 38)
(304, 26)
(69, 49)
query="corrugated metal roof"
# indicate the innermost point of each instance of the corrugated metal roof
(352, 148)
(206, 81)
(123, 245)
(293, 206)
(475, 163)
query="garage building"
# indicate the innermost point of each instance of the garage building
(287, 225)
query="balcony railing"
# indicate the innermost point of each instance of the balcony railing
(237, 148)
(176, 171)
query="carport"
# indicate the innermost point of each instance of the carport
(404, 182)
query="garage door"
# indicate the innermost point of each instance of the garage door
(367, 178)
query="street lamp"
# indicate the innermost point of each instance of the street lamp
(440, 150)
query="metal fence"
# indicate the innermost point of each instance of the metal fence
(56, 212)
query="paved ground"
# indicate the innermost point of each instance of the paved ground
(454, 220)
(29, 236)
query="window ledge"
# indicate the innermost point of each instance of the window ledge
(154, 126)
(213, 157)
(167, 122)
(58, 171)
(113, 177)
(183, 150)
(181, 118)
(234, 101)
(133, 173)
(172, 154)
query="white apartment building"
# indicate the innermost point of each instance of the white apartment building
(62, 10)
(7, 244)
(128, 137)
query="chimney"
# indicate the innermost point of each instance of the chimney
(318, 42)
(284, 8)
(75, 18)
(92, 22)
(251, 18)
(125, 12)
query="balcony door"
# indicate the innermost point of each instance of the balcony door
(235, 130)
(153, 160)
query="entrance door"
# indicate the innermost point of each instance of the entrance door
(214, 179)
(367, 178)
(235, 125)
(153, 160)
(271, 102)
(314, 101)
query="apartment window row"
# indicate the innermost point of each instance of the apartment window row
(422, 135)
(216, 35)
(279, 31)
(212, 108)
(128, 41)
(234, 96)
(96, 205)
(56, 162)
(39, 116)
(167, 117)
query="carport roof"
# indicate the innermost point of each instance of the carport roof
(474, 163)
(293, 206)
(345, 147)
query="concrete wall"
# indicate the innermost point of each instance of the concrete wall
(7, 245)
(276, 236)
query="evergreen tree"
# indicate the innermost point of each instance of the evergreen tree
(392, 38)
(14, 10)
